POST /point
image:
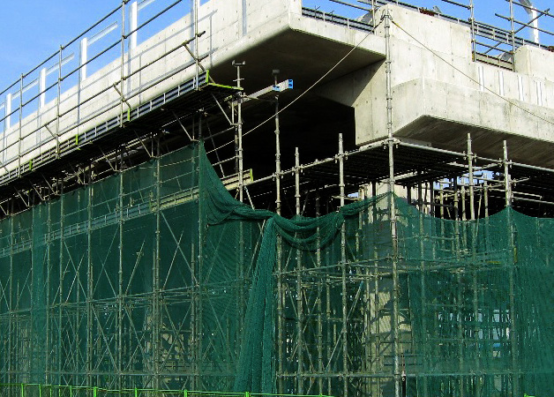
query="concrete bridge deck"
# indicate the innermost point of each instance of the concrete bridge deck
(439, 92)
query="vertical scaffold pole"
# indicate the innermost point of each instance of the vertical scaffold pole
(277, 158)
(280, 290)
(280, 321)
(512, 33)
(464, 211)
(281, 297)
(343, 263)
(240, 152)
(120, 283)
(239, 169)
(455, 195)
(58, 104)
(482, 324)
(196, 39)
(192, 298)
(512, 247)
(507, 180)
(122, 66)
(373, 13)
(420, 202)
(319, 298)
(12, 338)
(157, 310)
(486, 198)
(392, 209)
(423, 294)
(470, 175)
(374, 217)
(239, 155)
(472, 19)
(90, 289)
(297, 181)
(201, 236)
(195, 171)
(20, 139)
(461, 244)
(61, 281)
(299, 292)
(474, 229)
(432, 198)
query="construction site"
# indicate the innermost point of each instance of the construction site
(249, 198)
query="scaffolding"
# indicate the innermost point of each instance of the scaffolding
(491, 43)
(156, 278)
(404, 269)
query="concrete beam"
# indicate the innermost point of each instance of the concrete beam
(440, 93)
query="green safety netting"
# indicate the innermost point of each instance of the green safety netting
(157, 278)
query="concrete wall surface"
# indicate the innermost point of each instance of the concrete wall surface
(153, 67)
(434, 78)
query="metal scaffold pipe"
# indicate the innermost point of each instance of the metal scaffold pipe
(297, 181)
(534, 19)
(196, 37)
(299, 281)
(277, 153)
(239, 133)
(122, 60)
(392, 207)
(470, 175)
(507, 180)
(343, 267)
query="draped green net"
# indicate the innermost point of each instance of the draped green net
(157, 278)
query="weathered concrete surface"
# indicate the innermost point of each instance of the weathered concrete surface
(440, 94)
(535, 62)
(268, 35)
(301, 48)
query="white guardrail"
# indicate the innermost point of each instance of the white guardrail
(131, 55)
(96, 75)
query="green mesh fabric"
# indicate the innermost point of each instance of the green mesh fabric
(479, 296)
(157, 278)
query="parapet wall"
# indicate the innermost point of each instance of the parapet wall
(150, 69)
(440, 94)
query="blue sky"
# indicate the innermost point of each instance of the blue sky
(31, 30)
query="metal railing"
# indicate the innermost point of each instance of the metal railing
(44, 390)
(55, 96)
(490, 43)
